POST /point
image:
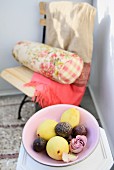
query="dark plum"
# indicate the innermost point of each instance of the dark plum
(63, 129)
(79, 130)
(69, 138)
(39, 144)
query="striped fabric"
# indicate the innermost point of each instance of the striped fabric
(71, 70)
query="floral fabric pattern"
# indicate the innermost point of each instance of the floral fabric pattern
(57, 64)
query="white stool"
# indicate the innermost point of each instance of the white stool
(100, 159)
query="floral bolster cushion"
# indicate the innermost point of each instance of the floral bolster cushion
(57, 64)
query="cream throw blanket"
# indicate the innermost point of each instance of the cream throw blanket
(70, 27)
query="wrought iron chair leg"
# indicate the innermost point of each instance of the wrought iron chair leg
(37, 107)
(20, 107)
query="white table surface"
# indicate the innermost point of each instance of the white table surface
(100, 159)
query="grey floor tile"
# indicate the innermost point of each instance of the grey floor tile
(11, 100)
(9, 114)
(112, 167)
(88, 104)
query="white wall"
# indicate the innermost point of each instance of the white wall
(102, 74)
(19, 20)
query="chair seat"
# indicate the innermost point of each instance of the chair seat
(18, 76)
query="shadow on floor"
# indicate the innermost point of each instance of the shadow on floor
(87, 103)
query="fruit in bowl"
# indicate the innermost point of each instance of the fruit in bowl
(79, 130)
(72, 116)
(81, 138)
(39, 144)
(56, 146)
(46, 130)
(57, 135)
(63, 129)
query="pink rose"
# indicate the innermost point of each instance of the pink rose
(77, 144)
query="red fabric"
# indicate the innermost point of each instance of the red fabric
(49, 92)
(84, 77)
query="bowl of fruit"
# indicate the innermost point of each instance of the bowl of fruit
(61, 135)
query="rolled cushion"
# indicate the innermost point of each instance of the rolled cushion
(57, 64)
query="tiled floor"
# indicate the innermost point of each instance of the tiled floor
(88, 104)
(11, 127)
(13, 102)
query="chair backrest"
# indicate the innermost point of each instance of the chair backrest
(84, 77)
(42, 6)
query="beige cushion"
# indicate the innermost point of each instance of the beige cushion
(69, 26)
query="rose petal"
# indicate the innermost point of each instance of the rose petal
(67, 157)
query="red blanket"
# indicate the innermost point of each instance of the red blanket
(49, 92)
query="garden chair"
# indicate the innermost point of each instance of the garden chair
(18, 76)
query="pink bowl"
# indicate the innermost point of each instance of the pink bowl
(54, 112)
